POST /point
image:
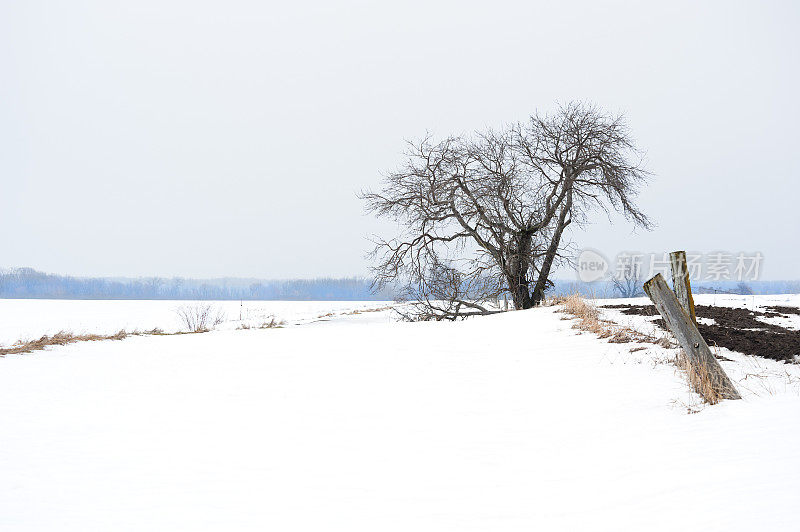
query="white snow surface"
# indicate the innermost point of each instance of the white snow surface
(361, 423)
(27, 319)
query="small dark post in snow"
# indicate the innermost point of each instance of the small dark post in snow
(680, 280)
(689, 338)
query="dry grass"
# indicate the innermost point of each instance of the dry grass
(354, 312)
(205, 317)
(365, 310)
(65, 337)
(763, 380)
(273, 323)
(581, 309)
(700, 379)
(552, 301)
(589, 320)
(698, 376)
(691, 407)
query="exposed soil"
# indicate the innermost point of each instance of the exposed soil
(738, 329)
(785, 310)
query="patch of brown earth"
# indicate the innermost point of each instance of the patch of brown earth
(738, 329)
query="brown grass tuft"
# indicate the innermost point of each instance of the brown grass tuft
(364, 311)
(273, 323)
(66, 337)
(589, 320)
(60, 338)
(699, 379)
(588, 316)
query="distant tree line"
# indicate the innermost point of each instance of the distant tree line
(26, 283)
(614, 289)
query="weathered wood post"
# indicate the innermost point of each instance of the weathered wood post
(709, 379)
(680, 280)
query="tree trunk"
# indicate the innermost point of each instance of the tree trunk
(517, 276)
(552, 251)
(521, 296)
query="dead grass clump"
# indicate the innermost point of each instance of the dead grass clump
(710, 385)
(622, 336)
(60, 338)
(588, 316)
(589, 320)
(700, 379)
(553, 301)
(66, 337)
(580, 308)
(698, 376)
(273, 323)
(363, 311)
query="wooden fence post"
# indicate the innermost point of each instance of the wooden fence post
(680, 281)
(709, 379)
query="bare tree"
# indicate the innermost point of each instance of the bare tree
(628, 280)
(743, 289)
(484, 215)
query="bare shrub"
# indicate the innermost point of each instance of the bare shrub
(200, 317)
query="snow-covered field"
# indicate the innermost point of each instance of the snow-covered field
(22, 319)
(354, 422)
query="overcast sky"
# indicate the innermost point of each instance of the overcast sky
(196, 138)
